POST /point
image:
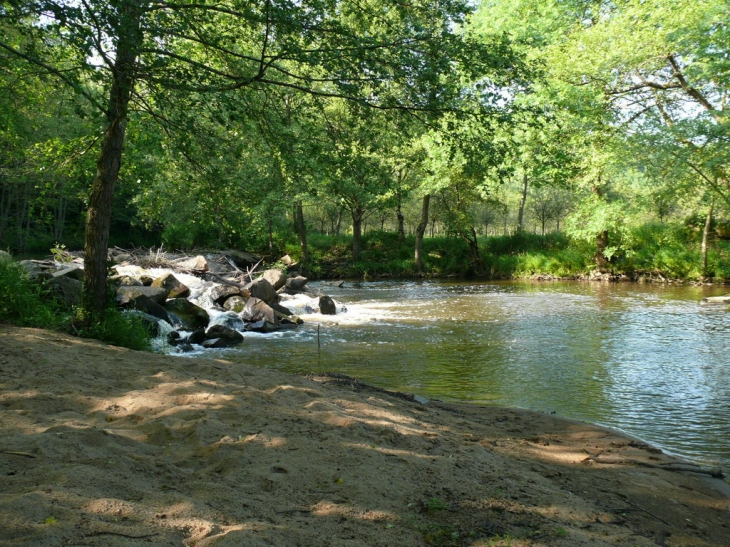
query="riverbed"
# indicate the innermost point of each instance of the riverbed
(645, 359)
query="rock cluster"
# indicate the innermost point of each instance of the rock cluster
(226, 302)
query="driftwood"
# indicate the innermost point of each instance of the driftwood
(682, 467)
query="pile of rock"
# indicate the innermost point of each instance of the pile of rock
(224, 304)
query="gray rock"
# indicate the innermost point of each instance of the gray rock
(195, 264)
(150, 321)
(214, 343)
(327, 306)
(263, 290)
(5, 256)
(172, 284)
(145, 304)
(297, 283)
(73, 273)
(230, 336)
(126, 294)
(229, 319)
(186, 314)
(235, 304)
(277, 278)
(125, 280)
(282, 310)
(196, 337)
(258, 310)
(66, 289)
(262, 327)
(219, 293)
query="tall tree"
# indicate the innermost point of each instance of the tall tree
(126, 52)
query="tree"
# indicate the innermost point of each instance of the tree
(125, 52)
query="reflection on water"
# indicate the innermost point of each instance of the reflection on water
(645, 359)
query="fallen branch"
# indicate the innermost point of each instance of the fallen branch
(669, 466)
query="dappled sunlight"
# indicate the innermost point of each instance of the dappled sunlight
(390, 451)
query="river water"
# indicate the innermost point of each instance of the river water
(644, 359)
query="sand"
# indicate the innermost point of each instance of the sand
(111, 447)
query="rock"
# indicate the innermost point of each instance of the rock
(145, 304)
(119, 258)
(175, 288)
(214, 343)
(195, 264)
(230, 336)
(5, 256)
(174, 338)
(150, 321)
(37, 270)
(146, 280)
(715, 300)
(262, 327)
(282, 310)
(242, 259)
(277, 278)
(219, 293)
(186, 314)
(263, 290)
(196, 337)
(185, 348)
(235, 304)
(126, 294)
(125, 280)
(227, 319)
(73, 273)
(327, 306)
(66, 289)
(297, 283)
(286, 260)
(258, 310)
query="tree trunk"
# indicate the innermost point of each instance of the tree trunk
(476, 259)
(523, 200)
(706, 236)
(420, 232)
(600, 256)
(401, 221)
(357, 214)
(338, 226)
(96, 237)
(301, 229)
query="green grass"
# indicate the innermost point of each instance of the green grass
(27, 304)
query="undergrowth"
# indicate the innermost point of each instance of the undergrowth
(26, 303)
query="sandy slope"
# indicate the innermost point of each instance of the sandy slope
(110, 447)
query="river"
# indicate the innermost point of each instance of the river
(644, 359)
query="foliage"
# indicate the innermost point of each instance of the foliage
(25, 302)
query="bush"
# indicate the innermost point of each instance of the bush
(27, 304)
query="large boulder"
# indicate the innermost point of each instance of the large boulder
(263, 290)
(258, 310)
(127, 280)
(145, 304)
(277, 278)
(297, 283)
(327, 306)
(38, 270)
(73, 272)
(65, 289)
(230, 336)
(229, 319)
(193, 264)
(126, 294)
(235, 304)
(186, 314)
(175, 288)
(220, 293)
(150, 321)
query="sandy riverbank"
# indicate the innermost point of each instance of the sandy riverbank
(111, 447)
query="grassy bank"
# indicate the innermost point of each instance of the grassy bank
(657, 251)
